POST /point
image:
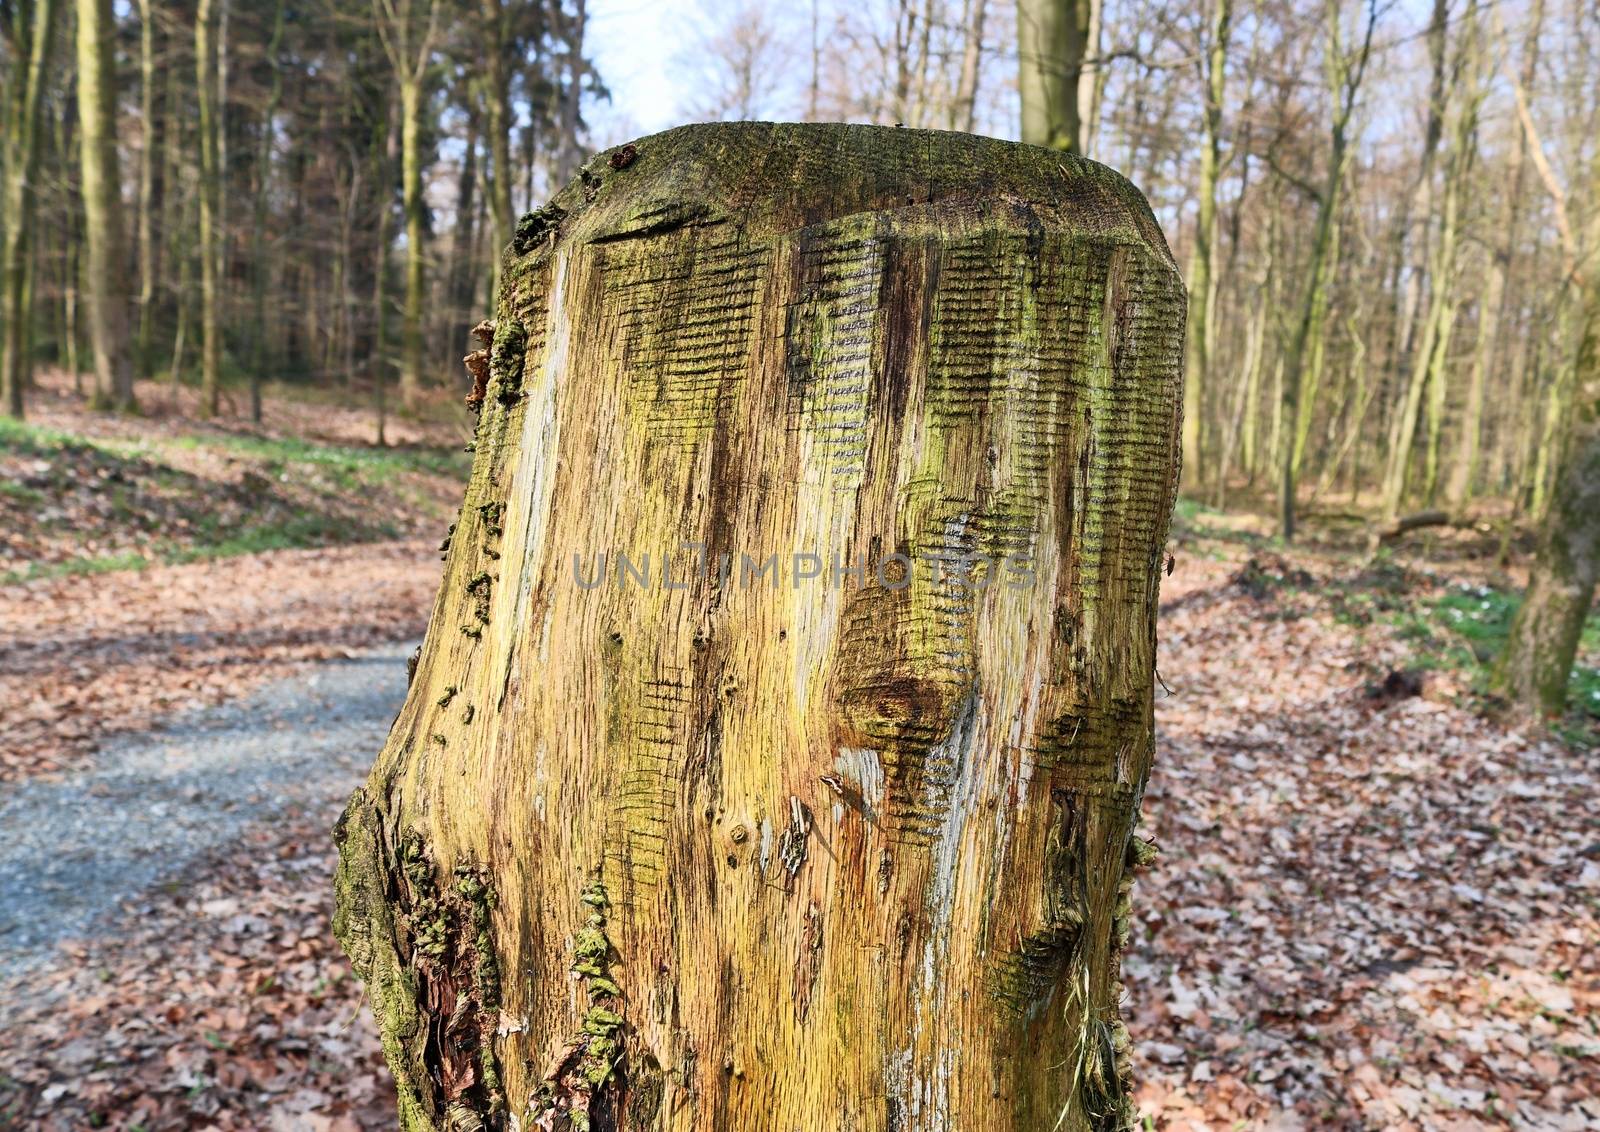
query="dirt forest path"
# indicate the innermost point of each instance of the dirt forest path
(152, 804)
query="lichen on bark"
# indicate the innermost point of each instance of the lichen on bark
(859, 841)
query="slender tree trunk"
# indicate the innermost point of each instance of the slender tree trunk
(416, 237)
(847, 844)
(1306, 340)
(1464, 470)
(1053, 38)
(965, 104)
(65, 148)
(1492, 307)
(459, 276)
(1345, 70)
(107, 273)
(1201, 284)
(210, 189)
(1429, 380)
(378, 357)
(1316, 347)
(1536, 664)
(497, 125)
(1092, 77)
(566, 151)
(260, 272)
(35, 32)
(153, 117)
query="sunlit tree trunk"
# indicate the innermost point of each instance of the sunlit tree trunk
(1345, 69)
(497, 115)
(1536, 664)
(153, 116)
(210, 190)
(32, 23)
(1202, 286)
(784, 842)
(416, 239)
(264, 350)
(407, 29)
(1500, 257)
(1053, 38)
(106, 276)
(964, 107)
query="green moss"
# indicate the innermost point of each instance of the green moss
(365, 925)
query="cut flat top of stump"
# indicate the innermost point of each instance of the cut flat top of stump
(779, 176)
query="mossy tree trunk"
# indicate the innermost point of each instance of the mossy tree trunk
(1535, 667)
(408, 31)
(105, 275)
(1055, 42)
(210, 193)
(1345, 67)
(32, 25)
(1202, 280)
(775, 751)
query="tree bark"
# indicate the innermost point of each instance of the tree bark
(210, 190)
(1345, 72)
(152, 114)
(416, 238)
(824, 834)
(106, 275)
(1202, 285)
(1535, 666)
(1053, 37)
(498, 117)
(33, 23)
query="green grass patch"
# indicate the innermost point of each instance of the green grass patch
(137, 503)
(35, 440)
(306, 529)
(73, 567)
(351, 466)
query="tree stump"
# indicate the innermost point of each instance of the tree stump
(774, 754)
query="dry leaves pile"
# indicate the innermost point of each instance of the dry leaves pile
(1371, 911)
(220, 1002)
(88, 656)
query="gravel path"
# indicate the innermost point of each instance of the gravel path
(74, 850)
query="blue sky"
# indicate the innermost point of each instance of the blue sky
(633, 44)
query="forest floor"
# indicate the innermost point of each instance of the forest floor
(1377, 905)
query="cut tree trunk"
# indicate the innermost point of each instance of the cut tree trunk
(775, 751)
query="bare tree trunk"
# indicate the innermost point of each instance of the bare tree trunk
(825, 842)
(568, 152)
(1536, 664)
(407, 29)
(965, 104)
(1201, 283)
(497, 123)
(151, 185)
(210, 189)
(264, 354)
(416, 238)
(33, 23)
(1346, 69)
(1053, 38)
(107, 273)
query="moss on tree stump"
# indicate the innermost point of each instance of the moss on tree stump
(781, 728)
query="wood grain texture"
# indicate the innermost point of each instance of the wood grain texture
(741, 850)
